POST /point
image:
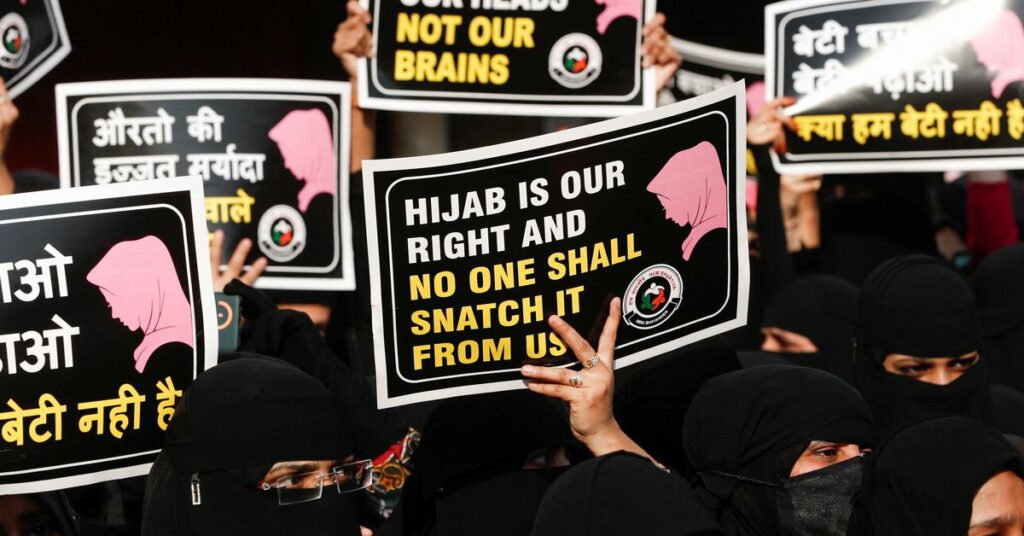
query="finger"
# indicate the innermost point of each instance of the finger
(255, 271)
(564, 392)
(657, 22)
(606, 344)
(237, 261)
(216, 250)
(574, 340)
(548, 374)
(353, 9)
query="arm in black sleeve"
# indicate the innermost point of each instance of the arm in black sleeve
(776, 264)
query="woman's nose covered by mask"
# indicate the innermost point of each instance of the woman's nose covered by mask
(235, 422)
(744, 433)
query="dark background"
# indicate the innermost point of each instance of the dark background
(125, 39)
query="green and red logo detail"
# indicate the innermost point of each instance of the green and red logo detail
(575, 60)
(14, 40)
(652, 297)
(281, 233)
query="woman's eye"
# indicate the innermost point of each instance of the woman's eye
(914, 370)
(829, 452)
(964, 363)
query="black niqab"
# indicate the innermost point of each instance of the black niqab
(651, 399)
(924, 478)
(754, 423)
(918, 306)
(234, 422)
(822, 308)
(622, 493)
(470, 443)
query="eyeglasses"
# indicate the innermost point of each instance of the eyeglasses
(305, 487)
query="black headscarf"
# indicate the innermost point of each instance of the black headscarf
(621, 493)
(651, 400)
(822, 308)
(924, 479)
(753, 424)
(234, 422)
(918, 306)
(999, 288)
(472, 446)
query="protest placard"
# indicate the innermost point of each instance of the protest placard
(921, 85)
(706, 68)
(529, 57)
(273, 153)
(33, 40)
(470, 252)
(106, 316)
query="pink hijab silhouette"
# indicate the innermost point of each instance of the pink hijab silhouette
(140, 284)
(614, 9)
(1000, 48)
(755, 98)
(692, 190)
(304, 139)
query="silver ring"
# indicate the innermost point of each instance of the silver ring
(762, 126)
(592, 362)
(576, 381)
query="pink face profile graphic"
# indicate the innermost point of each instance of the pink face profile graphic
(614, 9)
(755, 98)
(691, 189)
(140, 284)
(1000, 48)
(304, 139)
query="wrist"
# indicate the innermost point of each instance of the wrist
(610, 438)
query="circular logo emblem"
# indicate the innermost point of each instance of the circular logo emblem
(652, 297)
(575, 60)
(14, 37)
(282, 233)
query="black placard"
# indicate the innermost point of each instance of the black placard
(470, 252)
(273, 153)
(531, 57)
(922, 85)
(706, 68)
(33, 40)
(106, 308)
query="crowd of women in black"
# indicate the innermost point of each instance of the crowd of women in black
(876, 391)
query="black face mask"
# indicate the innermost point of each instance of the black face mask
(898, 400)
(819, 503)
(227, 506)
